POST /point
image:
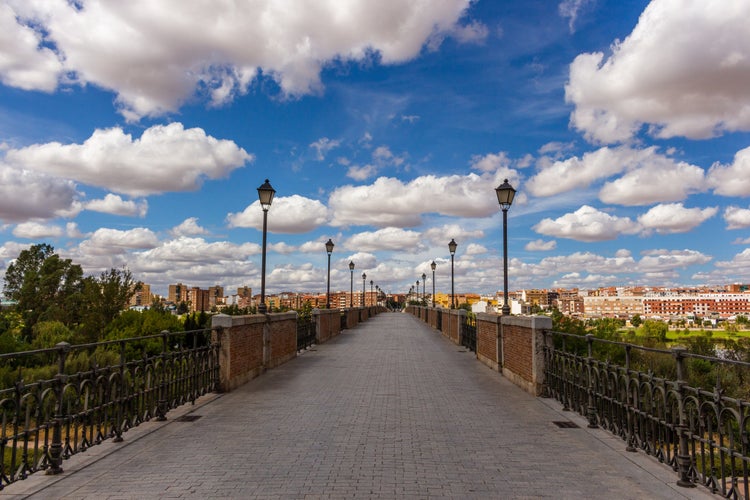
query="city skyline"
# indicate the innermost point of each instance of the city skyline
(136, 136)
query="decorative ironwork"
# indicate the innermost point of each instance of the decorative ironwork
(71, 397)
(651, 400)
(469, 333)
(305, 332)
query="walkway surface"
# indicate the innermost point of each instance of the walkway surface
(389, 409)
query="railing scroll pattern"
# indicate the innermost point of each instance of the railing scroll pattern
(305, 332)
(46, 420)
(704, 435)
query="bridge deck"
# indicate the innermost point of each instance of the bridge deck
(387, 409)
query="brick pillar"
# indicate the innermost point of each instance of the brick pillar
(489, 341)
(522, 350)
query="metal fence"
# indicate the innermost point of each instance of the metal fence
(469, 333)
(305, 332)
(651, 399)
(71, 397)
(342, 323)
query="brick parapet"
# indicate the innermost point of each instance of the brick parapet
(241, 348)
(489, 344)
(282, 337)
(523, 350)
(327, 324)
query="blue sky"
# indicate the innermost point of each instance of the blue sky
(136, 133)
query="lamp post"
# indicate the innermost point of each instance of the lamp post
(371, 282)
(364, 302)
(433, 266)
(418, 293)
(265, 194)
(351, 284)
(329, 250)
(452, 248)
(377, 295)
(505, 194)
(424, 293)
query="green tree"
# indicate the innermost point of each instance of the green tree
(45, 287)
(105, 297)
(654, 329)
(636, 320)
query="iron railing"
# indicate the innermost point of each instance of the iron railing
(305, 332)
(650, 398)
(71, 397)
(342, 324)
(469, 333)
(439, 324)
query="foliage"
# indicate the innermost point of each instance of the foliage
(636, 320)
(654, 329)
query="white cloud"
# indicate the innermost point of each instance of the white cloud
(476, 249)
(221, 49)
(72, 231)
(736, 217)
(25, 194)
(105, 241)
(165, 158)
(661, 180)
(491, 162)
(442, 235)
(362, 262)
(734, 179)
(540, 246)
(288, 214)
(474, 32)
(389, 238)
(666, 75)
(115, 205)
(741, 241)
(390, 202)
(587, 224)
(188, 227)
(675, 218)
(665, 260)
(37, 231)
(361, 173)
(322, 146)
(24, 62)
(571, 9)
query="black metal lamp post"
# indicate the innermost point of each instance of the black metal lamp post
(452, 248)
(433, 266)
(329, 250)
(420, 303)
(351, 284)
(377, 295)
(364, 302)
(371, 282)
(505, 195)
(265, 194)
(424, 293)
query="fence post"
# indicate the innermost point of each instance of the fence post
(161, 406)
(590, 370)
(56, 448)
(683, 456)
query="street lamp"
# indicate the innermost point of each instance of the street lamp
(452, 248)
(371, 282)
(377, 295)
(505, 194)
(329, 250)
(351, 284)
(364, 302)
(265, 194)
(433, 266)
(424, 294)
(418, 293)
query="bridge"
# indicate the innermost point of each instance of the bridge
(387, 408)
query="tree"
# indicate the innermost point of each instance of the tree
(45, 287)
(636, 320)
(105, 297)
(655, 329)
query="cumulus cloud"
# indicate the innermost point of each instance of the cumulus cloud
(540, 246)
(476, 249)
(361, 173)
(391, 202)
(662, 180)
(188, 227)
(667, 76)
(165, 158)
(25, 194)
(587, 224)
(105, 241)
(733, 179)
(664, 260)
(24, 61)
(37, 231)
(288, 214)
(675, 218)
(390, 238)
(736, 217)
(115, 205)
(442, 235)
(218, 50)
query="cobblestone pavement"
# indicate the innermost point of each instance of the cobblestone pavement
(389, 409)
